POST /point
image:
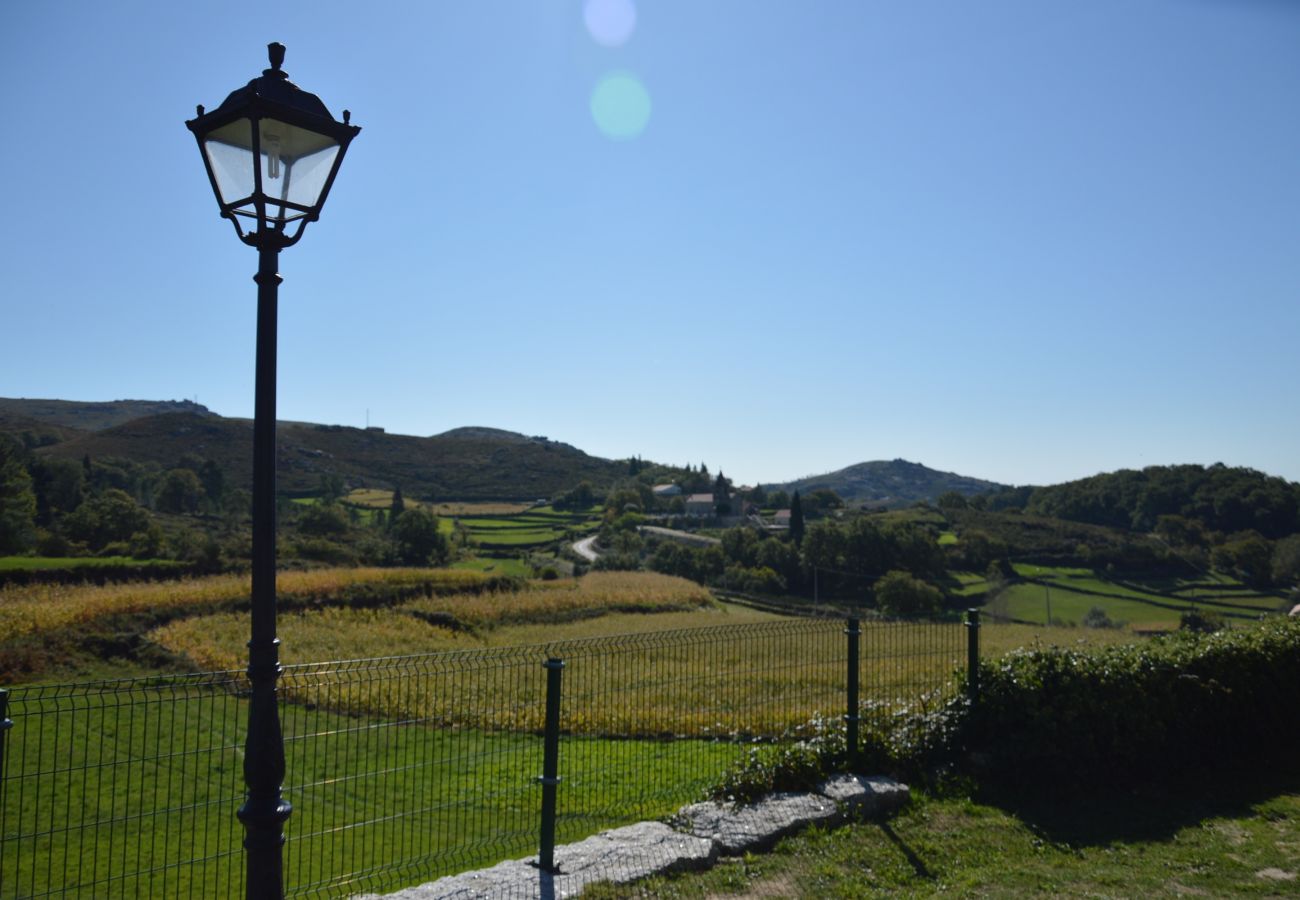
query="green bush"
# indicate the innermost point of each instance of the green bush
(900, 594)
(1124, 714)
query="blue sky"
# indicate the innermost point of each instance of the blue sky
(1024, 240)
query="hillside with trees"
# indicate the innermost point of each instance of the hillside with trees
(467, 464)
(893, 484)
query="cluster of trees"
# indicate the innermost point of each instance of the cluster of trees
(61, 507)
(850, 559)
(334, 532)
(1223, 499)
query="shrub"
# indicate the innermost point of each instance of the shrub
(322, 550)
(1202, 621)
(1122, 714)
(323, 520)
(899, 594)
(1098, 618)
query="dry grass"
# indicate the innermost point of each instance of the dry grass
(595, 594)
(34, 608)
(456, 621)
(630, 682)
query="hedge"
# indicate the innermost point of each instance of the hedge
(1122, 714)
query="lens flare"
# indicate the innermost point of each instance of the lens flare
(610, 22)
(620, 105)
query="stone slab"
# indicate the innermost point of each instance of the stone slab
(652, 848)
(866, 795)
(620, 856)
(737, 830)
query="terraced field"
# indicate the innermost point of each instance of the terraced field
(1144, 604)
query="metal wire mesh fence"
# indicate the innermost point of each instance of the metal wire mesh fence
(401, 770)
(123, 788)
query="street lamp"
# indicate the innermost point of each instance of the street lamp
(271, 151)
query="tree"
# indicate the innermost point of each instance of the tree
(419, 542)
(59, 485)
(214, 482)
(112, 516)
(951, 500)
(1286, 561)
(331, 487)
(581, 497)
(899, 594)
(17, 499)
(796, 519)
(323, 520)
(741, 545)
(398, 505)
(827, 499)
(181, 492)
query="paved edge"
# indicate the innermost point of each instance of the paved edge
(639, 851)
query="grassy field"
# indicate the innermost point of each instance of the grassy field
(376, 498)
(367, 797)
(1154, 603)
(37, 563)
(348, 775)
(781, 680)
(1238, 835)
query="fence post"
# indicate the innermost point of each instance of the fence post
(973, 655)
(550, 763)
(851, 718)
(5, 724)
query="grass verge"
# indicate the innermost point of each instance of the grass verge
(1224, 836)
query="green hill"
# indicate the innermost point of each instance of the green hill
(890, 484)
(464, 464)
(90, 415)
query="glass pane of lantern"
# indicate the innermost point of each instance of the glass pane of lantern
(230, 154)
(295, 164)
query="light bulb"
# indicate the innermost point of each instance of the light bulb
(271, 146)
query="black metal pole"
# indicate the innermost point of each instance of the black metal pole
(973, 654)
(264, 811)
(5, 724)
(851, 718)
(550, 764)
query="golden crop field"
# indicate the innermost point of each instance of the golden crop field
(640, 657)
(454, 621)
(33, 608)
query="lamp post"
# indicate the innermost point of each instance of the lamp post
(271, 151)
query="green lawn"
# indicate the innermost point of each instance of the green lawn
(1072, 592)
(1231, 835)
(37, 563)
(128, 800)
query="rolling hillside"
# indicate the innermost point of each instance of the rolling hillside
(91, 415)
(465, 464)
(890, 484)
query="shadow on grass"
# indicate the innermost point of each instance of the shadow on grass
(1151, 812)
(918, 865)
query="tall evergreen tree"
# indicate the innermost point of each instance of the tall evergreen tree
(796, 519)
(398, 507)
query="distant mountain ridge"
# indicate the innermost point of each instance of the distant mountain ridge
(891, 483)
(92, 415)
(465, 464)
